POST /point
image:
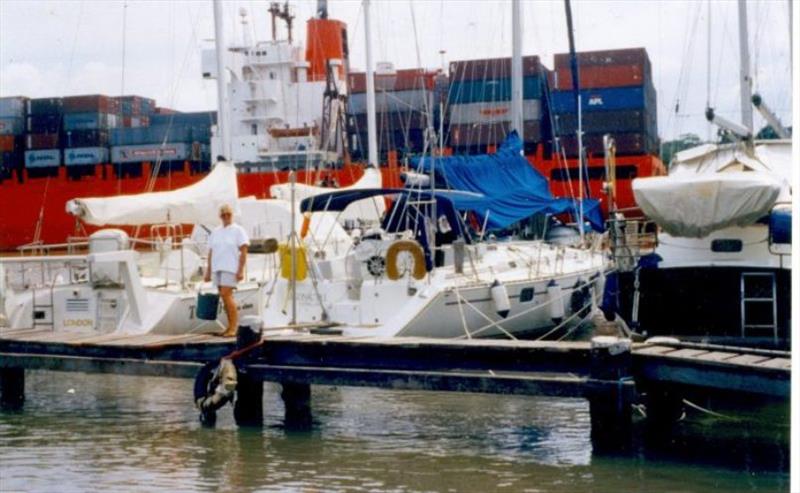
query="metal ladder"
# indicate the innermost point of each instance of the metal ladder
(750, 295)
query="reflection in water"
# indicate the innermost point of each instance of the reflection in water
(133, 433)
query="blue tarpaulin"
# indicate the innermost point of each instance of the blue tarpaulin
(512, 189)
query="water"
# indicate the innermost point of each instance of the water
(120, 433)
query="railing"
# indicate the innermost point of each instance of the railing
(630, 239)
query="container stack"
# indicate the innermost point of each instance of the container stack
(479, 102)
(135, 111)
(12, 131)
(168, 137)
(617, 98)
(44, 135)
(87, 123)
(405, 104)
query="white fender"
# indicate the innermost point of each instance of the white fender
(555, 301)
(502, 305)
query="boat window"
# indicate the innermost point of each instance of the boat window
(526, 295)
(726, 245)
(626, 172)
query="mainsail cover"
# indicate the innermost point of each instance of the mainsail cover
(512, 189)
(195, 203)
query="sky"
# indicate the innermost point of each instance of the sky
(152, 47)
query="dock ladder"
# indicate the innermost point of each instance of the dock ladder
(759, 305)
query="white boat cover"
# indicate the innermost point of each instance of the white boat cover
(195, 203)
(694, 205)
(368, 209)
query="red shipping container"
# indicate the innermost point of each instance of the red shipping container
(471, 134)
(95, 103)
(595, 77)
(42, 141)
(6, 143)
(401, 80)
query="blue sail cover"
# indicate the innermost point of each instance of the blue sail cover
(512, 189)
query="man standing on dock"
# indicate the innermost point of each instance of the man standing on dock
(227, 254)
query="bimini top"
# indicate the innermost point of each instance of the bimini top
(513, 190)
(339, 200)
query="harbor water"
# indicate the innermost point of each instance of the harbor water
(120, 433)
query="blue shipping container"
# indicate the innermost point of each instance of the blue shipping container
(615, 98)
(85, 155)
(42, 158)
(480, 91)
(89, 121)
(156, 134)
(13, 107)
(198, 118)
(13, 125)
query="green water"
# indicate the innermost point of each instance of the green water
(116, 433)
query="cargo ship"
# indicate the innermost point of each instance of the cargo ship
(302, 109)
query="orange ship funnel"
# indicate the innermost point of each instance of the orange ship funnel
(326, 39)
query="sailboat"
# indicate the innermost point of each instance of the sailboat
(722, 266)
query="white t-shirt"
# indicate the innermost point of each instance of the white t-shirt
(224, 243)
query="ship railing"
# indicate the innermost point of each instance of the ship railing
(38, 271)
(630, 238)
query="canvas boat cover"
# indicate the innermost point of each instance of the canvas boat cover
(370, 209)
(713, 187)
(512, 189)
(195, 203)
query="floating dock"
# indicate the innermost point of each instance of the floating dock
(610, 372)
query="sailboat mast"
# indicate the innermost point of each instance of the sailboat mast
(372, 144)
(223, 125)
(516, 67)
(573, 62)
(745, 81)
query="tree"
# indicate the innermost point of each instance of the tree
(671, 147)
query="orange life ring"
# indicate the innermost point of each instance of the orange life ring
(413, 248)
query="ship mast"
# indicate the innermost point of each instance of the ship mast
(745, 81)
(516, 68)
(372, 145)
(573, 61)
(223, 113)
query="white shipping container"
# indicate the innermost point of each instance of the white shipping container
(85, 155)
(12, 107)
(493, 112)
(43, 158)
(392, 101)
(151, 152)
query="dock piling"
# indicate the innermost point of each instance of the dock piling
(12, 388)
(248, 409)
(611, 409)
(297, 401)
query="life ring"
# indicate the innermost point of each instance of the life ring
(411, 247)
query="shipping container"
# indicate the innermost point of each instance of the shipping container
(491, 133)
(606, 99)
(42, 141)
(156, 134)
(594, 77)
(179, 151)
(493, 68)
(41, 124)
(94, 103)
(493, 112)
(89, 121)
(476, 91)
(390, 121)
(42, 158)
(85, 155)
(400, 80)
(86, 138)
(626, 144)
(605, 122)
(628, 56)
(134, 121)
(8, 143)
(45, 106)
(12, 125)
(198, 118)
(410, 141)
(13, 107)
(135, 105)
(399, 101)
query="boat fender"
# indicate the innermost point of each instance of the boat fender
(555, 302)
(286, 262)
(306, 224)
(459, 247)
(214, 386)
(411, 247)
(579, 297)
(500, 300)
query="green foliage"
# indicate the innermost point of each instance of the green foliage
(671, 147)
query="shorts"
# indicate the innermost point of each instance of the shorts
(224, 279)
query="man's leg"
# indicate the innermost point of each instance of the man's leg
(226, 292)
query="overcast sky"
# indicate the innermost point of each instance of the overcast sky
(64, 47)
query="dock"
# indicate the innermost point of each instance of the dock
(610, 372)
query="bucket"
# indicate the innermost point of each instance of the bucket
(207, 305)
